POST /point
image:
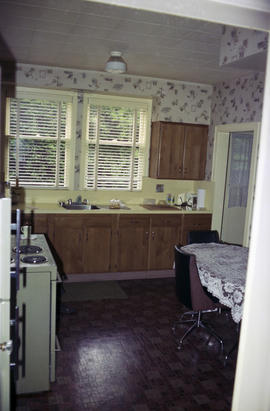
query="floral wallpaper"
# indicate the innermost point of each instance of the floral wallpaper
(238, 43)
(172, 100)
(237, 101)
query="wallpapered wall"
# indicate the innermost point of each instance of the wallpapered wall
(238, 43)
(237, 101)
(228, 102)
(172, 100)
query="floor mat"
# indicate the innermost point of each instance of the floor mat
(100, 290)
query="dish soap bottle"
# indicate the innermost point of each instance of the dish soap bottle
(169, 199)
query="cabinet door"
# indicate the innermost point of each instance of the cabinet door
(68, 242)
(194, 222)
(97, 246)
(164, 235)
(133, 238)
(167, 145)
(40, 223)
(195, 152)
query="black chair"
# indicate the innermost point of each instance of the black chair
(203, 236)
(193, 295)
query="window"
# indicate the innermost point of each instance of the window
(240, 160)
(39, 129)
(116, 131)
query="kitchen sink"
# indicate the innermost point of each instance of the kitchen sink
(74, 205)
(79, 206)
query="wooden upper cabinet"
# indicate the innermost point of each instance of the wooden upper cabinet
(178, 151)
(167, 148)
(195, 152)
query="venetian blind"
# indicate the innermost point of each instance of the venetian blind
(116, 131)
(39, 135)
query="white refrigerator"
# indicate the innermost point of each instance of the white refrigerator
(5, 341)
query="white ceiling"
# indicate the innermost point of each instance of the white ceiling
(80, 34)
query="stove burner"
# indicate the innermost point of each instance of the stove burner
(34, 259)
(28, 249)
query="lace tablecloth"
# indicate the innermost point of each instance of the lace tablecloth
(222, 270)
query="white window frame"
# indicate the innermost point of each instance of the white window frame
(115, 101)
(56, 95)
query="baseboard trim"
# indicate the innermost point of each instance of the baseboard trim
(127, 275)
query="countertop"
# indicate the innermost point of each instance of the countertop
(51, 208)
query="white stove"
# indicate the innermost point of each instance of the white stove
(36, 299)
(36, 245)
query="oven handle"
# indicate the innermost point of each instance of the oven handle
(23, 339)
(16, 340)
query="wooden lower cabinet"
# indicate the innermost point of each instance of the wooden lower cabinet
(133, 242)
(68, 242)
(194, 222)
(164, 234)
(84, 243)
(98, 243)
(40, 223)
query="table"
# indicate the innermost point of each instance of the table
(222, 270)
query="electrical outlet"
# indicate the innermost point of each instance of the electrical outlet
(159, 188)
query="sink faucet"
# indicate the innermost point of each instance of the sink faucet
(79, 199)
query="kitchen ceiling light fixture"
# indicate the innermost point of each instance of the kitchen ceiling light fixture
(116, 63)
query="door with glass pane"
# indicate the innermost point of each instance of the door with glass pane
(236, 189)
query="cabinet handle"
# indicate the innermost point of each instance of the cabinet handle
(180, 169)
(153, 235)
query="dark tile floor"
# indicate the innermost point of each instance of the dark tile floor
(120, 355)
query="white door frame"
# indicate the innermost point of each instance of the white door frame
(219, 166)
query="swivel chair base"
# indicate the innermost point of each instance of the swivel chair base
(196, 323)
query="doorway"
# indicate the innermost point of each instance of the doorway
(232, 207)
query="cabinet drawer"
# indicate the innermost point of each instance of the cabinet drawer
(197, 221)
(133, 220)
(161, 220)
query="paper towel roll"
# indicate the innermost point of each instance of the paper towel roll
(201, 198)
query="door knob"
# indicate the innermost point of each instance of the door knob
(6, 346)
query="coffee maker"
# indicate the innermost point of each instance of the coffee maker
(192, 200)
